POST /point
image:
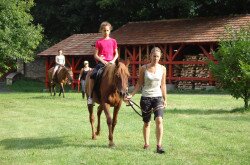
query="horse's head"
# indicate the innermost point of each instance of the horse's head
(68, 75)
(121, 79)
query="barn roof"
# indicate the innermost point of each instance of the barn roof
(177, 30)
(193, 30)
(77, 44)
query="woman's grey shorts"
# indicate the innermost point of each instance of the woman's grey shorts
(149, 104)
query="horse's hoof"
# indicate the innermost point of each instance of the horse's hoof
(93, 137)
(97, 133)
(112, 144)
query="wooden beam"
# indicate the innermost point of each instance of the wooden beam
(170, 66)
(206, 53)
(191, 79)
(78, 62)
(129, 53)
(73, 70)
(177, 52)
(140, 57)
(47, 72)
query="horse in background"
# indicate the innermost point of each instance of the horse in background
(113, 89)
(62, 76)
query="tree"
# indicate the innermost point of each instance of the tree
(18, 36)
(63, 18)
(233, 68)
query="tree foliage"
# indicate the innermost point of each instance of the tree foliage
(64, 18)
(18, 36)
(233, 68)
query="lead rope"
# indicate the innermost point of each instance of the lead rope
(132, 104)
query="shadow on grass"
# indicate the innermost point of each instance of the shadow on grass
(28, 143)
(200, 112)
(46, 143)
(47, 96)
(242, 110)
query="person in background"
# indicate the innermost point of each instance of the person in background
(105, 53)
(152, 79)
(60, 62)
(82, 76)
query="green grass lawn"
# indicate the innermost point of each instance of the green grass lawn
(36, 128)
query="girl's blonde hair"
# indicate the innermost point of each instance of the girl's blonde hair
(103, 24)
(156, 49)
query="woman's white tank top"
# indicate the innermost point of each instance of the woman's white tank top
(60, 59)
(152, 83)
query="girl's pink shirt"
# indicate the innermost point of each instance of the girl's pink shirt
(106, 48)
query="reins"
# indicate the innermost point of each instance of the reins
(132, 103)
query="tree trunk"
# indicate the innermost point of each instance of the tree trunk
(246, 98)
(246, 103)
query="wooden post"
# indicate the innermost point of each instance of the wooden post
(73, 70)
(147, 52)
(46, 72)
(170, 66)
(139, 57)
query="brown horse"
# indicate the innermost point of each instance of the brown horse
(113, 88)
(62, 76)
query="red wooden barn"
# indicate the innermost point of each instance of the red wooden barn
(76, 48)
(186, 44)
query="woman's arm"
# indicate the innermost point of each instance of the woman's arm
(163, 87)
(64, 60)
(80, 75)
(140, 81)
(57, 60)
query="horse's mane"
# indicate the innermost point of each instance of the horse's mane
(121, 72)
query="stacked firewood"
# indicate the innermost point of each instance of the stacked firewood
(187, 71)
(185, 85)
(192, 70)
(202, 70)
(177, 70)
(200, 85)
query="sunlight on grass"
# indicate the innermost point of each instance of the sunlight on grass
(199, 129)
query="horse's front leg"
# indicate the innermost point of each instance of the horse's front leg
(61, 90)
(50, 89)
(115, 115)
(99, 112)
(62, 86)
(54, 89)
(92, 121)
(109, 123)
